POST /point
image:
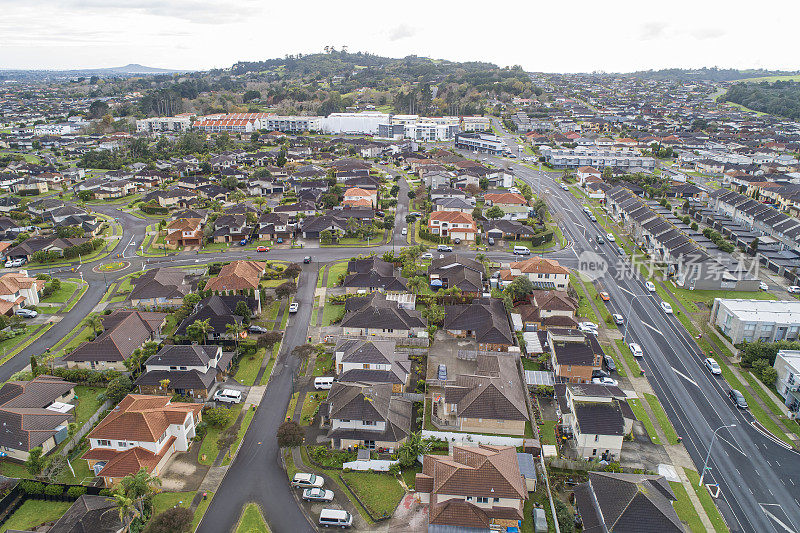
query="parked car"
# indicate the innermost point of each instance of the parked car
(335, 518)
(26, 313)
(490, 240)
(307, 481)
(712, 366)
(257, 329)
(307, 259)
(636, 350)
(262, 249)
(593, 218)
(666, 307)
(318, 494)
(610, 237)
(605, 381)
(618, 319)
(444, 248)
(522, 250)
(243, 242)
(442, 375)
(650, 286)
(738, 399)
(609, 363)
(426, 255)
(293, 307)
(763, 286)
(620, 250)
(12, 263)
(588, 326)
(228, 396)
(456, 241)
(794, 289)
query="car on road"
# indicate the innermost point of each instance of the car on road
(404, 231)
(262, 249)
(257, 329)
(666, 307)
(650, 286)
(618, 320)
(318, 494)
(426, 255)
(444, 248)
(26, 313)
(564, 186)
(522, 250)
(605, 381)
(763, 286)
(610, 237)
(737, 398)
(712, 366)
(592, 217)
(293, 307)
(605, 296)
(307, 481)
(228, 396)
(794, 289)
(600, 239)
(609, 363)
(307, 259)
(635, 349)
(620, 250)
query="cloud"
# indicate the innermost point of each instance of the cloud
(196, 11)
(707, 33)
(402, 31)
(652, 30)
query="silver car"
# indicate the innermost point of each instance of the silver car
(318, 494)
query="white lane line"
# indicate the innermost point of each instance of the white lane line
(729, 443)
(775, 518)
(684, 376)
(623, 289)
(770, 437)
(652, 327)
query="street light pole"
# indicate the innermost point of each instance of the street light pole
(705, 463)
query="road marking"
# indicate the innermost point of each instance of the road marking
(684, 376)
(729, 443)
(653, 328)
(773, 439)
(773, 517)
(625, 290)
(791, 481)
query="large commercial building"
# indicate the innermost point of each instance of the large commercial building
(596, 157)
(426, 129)
(480, 142)
(757, 320)
(476, 124)
(365, 123)
(176, 124)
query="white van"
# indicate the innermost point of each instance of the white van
(323, 383)
(228, 396)
(521, 250)
(335, 518)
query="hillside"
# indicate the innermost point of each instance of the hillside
(780, 98)
(713, 74)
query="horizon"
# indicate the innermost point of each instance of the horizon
(580, 38)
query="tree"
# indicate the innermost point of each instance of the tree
(494, 212)
(303, 351)
(753, 248)
(519, 288)
(217, 417)
(292, 271)
(769, 375)
(199, 330)
(98, 109)
(413, 447)
(411, 195)
(95, 322)
(607, 174)
(118, 388)
(125, 508)
(417, 283)
(290, 434)
(242, 310)
(269, 339)
(434, 314)
(173, 520)
(36, 461)
(286, 289)
(234, 330)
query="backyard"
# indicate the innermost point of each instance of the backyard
(380, 493)
(33, 513)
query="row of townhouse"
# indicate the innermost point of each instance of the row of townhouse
(597, 158)
(759, 217)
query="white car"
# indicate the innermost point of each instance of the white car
(650, 286)
(404, 231)
(636, 350)
(318, 494)
(293, 307)
(712, 366)
(610, 237)
(618, 320)
(26, 313)
(426, 255)
(794, 289)
(228, 396)
(763, 286)
(666, 307)
(588, 327)
(11, 263)
(307, 481)
(605, 381)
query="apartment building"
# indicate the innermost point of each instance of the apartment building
(176, 124)
(787, 363)
(596, 157)
(480, 142)
(476, 124)
(757, 320)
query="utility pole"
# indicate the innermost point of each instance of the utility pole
(705, 463)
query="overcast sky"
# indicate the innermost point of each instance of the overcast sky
(555, 36)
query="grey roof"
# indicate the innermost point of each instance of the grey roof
(376, 312)
(89, 514)
(166, 283)
(599, 418)
(124, 331)
(374, 273)
(184, 355)
(494, 391)
(25, 423)
(369, 402)
(487, 317)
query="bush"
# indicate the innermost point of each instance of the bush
(74, 493)
(106, 492)
(217, 417)
(53, 490)
(290, 435)
(31, 488)
(173, 520)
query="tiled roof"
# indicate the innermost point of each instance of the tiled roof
(237, 275)
(142, 418)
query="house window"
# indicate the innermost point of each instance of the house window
(122, 444)
(497, 500)
(468, 498)
(483, 500)
(369, 423)
(594, 452)
(596, 438)
(103, 442)
(345, 420)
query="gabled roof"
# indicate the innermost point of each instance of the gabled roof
(165, 283)
(143, 418)
(25, 421)
(376, 312)
(236, 276)
(124, 331)
(487, 317)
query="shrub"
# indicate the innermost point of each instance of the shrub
(106, 492)
(53, 490)
(31, 488)
(75, 492)
(217, 417)
(290, 435)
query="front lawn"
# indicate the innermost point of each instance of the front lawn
(323, 364)
(334, 272)
(662, 418)
(331, 313)
(707, 502)
(642, 416)
(208, 447)
(60, 296)
(33, 513)
(584, 306)
(310, 406)
(252, 521)
(380, 493)
(686, 511)
(249, 366)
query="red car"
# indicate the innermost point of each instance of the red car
(262, 249)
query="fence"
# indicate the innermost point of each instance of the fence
(472, 438)
(17, 497)
(86, 428)
(378, 465)
(571, 464)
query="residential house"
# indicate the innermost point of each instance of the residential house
(239, 277)
(787, 384)
(98, 514)
(366, 415)
(274, 226)
(375, 314)
(611, 502)
(574, 356)
(368, 360)
(313, 227)
(373, 274)
(549, 309)
(18, 290)
(28, 247)
(452, 204)
(485, 320)
(586, 172)
(475, 488)
(159, 287)
(123, 332)
(360, 198)
(184, 232)
(35, 413)
(453, 224)
(507, 229)
(544, 273)
(231, 228)
(189, 370)
(141, 432)
(454, 270)
(220, 311)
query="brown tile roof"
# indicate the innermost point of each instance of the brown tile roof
(539, 265)
(15, 281)
(142, 418)
(478, 471)
(507, 198)
(237, 275)
(134, 459)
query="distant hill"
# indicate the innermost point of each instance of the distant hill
(780, 98)
(707, 74)
(135, 68)
(132, 69)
